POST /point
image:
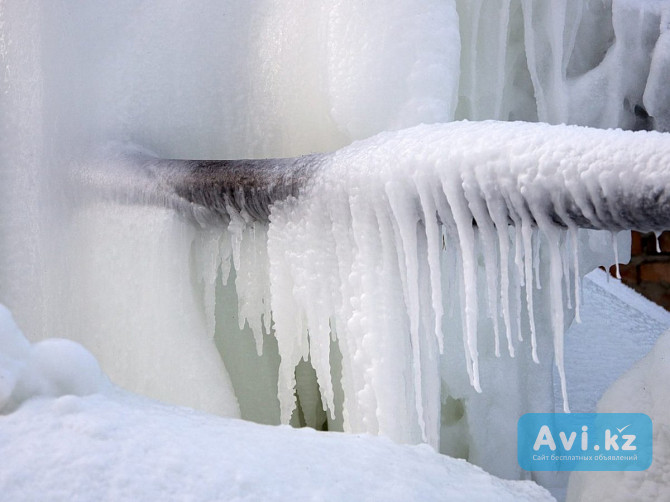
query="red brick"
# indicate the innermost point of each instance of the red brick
(649, 244)
(636, 244)
(664, 241)
(629, 273)
(657, 271)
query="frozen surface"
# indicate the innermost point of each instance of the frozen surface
(119, 447)
(620, 326)
(401, 319)
(410, 199)
(75, 437)
(643, 389)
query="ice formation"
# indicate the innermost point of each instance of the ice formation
(54, 394)
(619, 325)
(392, 227)
(642, 389)
(383, 320)
(53, 367)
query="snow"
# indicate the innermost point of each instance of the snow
(115, 447)
(620, 326)
(348, 292)
(77, 437)
(52, 367)
(642, 389)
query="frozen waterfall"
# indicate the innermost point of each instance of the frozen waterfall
(399, 279)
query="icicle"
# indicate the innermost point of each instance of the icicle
(553, 237)
(206, 254)
(556, 296)
(453, 271)
(290, 332)
(573, 232)
(526, 232)
(433, 233)
(536, 258)
(486, 234)
(615, 247)
(251, 282)
(403, 209)
(463, 218)
(518, 251)
(464, 320)
(344, 248)
(236, 229)
(449, 234)
(225, 254)
(518, 278)
(566, 270)
(499, 216)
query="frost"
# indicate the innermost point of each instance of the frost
(370, 302)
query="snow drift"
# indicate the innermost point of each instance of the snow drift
(379, 304)
(68, 434)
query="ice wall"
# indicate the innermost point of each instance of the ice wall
(569, 61)
(144, 289)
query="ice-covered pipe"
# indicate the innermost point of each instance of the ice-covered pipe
(591, 178)
(208, 191)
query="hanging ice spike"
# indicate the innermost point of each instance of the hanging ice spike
(488, 174)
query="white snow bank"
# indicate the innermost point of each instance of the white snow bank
(644, 389)
(620, 326)
(120, 447)
(113, 445)
(53, 367)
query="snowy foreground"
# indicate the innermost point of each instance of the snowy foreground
(71, 435)
(114, 446)
(67, 433)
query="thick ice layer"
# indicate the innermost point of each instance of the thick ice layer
(570, 61)
(393, 232)
(271, 79)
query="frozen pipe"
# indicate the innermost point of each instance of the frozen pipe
(210, 190)
(205, 190)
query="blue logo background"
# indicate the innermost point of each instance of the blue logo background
(584, 442)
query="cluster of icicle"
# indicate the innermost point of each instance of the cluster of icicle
(385, 245)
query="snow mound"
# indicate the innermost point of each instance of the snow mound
(120, 447)
(53, 367)
(643, 389)
(78, 444)
(619, 325)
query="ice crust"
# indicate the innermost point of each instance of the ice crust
(417, 328)
(395, 227)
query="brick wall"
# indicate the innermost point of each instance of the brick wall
(648, 271)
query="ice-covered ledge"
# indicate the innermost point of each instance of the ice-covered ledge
(372, 217)
(569, 175)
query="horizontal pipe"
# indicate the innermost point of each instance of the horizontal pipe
(637, 198)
